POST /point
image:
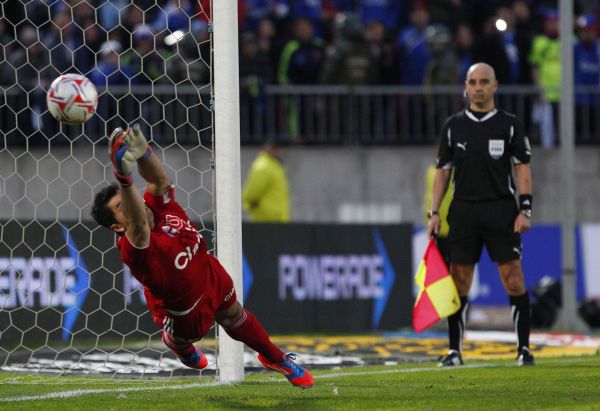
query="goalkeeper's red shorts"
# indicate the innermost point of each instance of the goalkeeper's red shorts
(195, 322)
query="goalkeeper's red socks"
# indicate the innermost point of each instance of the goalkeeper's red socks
(187, 353)
(249, 331)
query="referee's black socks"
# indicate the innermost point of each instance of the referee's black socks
(456, 326)
(521, 314)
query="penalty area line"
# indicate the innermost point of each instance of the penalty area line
(92, 391)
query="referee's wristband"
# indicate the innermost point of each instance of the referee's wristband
(431, 213)
(525, 202)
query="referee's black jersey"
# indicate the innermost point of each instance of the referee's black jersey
(482, 151)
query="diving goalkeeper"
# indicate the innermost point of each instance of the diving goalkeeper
(186, 288)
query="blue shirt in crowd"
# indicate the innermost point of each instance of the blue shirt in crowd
(586, 70)
(384, 11)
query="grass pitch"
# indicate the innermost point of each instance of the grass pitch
(555, 383)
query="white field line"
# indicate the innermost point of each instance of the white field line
(80, 393)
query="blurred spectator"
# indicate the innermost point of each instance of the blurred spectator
(108, 72)
(85, 56)
(300, 63)
(586, 55)
(545, 73)
(255, 10)
(302, 57)
(444, 11)
(386, 12)
(35, 11)
(269, 42)
(131, 16)
(311, 10)
(463, 41)
(444, 66)
(266, 194)
(255, 72)
(255, 65)
(545, 57)
(82, 11)
(352, 61)
(342, 6)
(442, 69)
(58, 38)
(499, 46)
(31, 62)
(525, 31)
(412, 46)
(32, 71)
(191, 55)
(146, 61)
(384, 52)
(476, 12)
(174, 15)
(109, 12)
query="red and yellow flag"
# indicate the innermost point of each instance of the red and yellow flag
(438, 297)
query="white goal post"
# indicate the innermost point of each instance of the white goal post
(227, 171)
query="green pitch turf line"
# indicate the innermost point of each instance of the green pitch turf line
(324, 379)
(83, 392)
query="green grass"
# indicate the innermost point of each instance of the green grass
(555, 383)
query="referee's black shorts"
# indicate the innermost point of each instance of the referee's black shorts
(475, 223)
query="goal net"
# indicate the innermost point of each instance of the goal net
(67, 303)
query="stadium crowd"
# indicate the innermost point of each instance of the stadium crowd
(351, 42)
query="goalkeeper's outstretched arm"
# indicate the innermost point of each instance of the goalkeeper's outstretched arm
(129, 207)
(149, 166)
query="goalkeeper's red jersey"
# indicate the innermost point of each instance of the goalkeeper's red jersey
(175, 267)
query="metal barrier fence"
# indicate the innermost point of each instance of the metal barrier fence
(395, 114)
(289, 114)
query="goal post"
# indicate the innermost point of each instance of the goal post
(227, 169)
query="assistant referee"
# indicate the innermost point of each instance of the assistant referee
(482, 144)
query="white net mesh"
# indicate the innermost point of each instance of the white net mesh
(67, 304)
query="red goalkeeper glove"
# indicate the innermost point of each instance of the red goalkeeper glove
(122, 160)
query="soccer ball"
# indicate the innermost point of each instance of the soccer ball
(72, 98)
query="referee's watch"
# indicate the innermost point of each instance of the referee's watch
(431, 213)
(526, 213)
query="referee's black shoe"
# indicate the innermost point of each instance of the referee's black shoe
(525, 357)
(452, 359)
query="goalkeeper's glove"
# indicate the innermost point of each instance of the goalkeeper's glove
(122, 160)
(136, 143)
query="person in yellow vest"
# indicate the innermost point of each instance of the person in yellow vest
(442, 236)
(266, 195)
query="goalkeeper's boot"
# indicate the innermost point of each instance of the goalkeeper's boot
(525, 357)
(453, 358)
(196, 360)
(296, 374)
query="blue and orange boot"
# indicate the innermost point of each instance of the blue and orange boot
(296, 374)
(196, 360)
